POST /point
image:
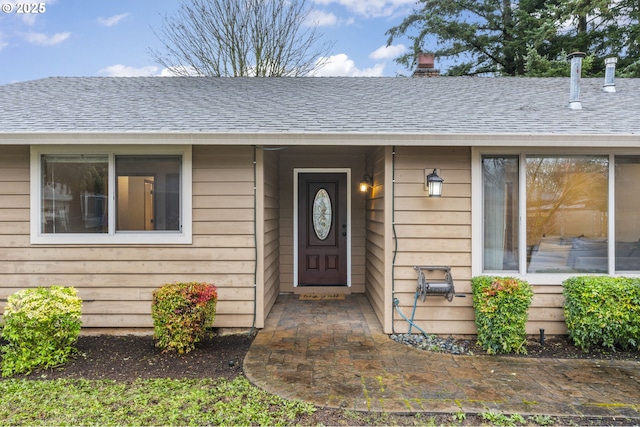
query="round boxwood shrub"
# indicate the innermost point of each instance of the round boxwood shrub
(501, 305)
(182, 313)
(42, 326)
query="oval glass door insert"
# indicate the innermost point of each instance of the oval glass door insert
(322, 214)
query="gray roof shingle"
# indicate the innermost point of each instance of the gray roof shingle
(441, 105)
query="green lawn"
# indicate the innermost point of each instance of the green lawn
(143, 402)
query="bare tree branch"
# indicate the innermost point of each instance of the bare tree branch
(241, 38)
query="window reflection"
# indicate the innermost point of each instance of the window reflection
(74, 193)
(500, 176)
(567, 215)
(627, 170)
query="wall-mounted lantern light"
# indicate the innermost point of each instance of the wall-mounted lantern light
(366, 183)
(434, 184)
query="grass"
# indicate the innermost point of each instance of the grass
(144, 402)
(170, 402)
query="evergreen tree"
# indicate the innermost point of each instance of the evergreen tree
(504, 37)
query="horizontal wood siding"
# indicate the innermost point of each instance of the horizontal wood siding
(116, 282)
(433, 231)
(375, 282)
(271, 230)
(546, 310)
(14, 215)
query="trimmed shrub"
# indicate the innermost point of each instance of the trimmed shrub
(602, 311)
(42, 326)
(182, 312)
(501, 305)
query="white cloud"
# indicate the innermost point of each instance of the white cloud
(3, 44)
(322, 19)
(45, 40)
(340, 65)
(29, 18)
(388, 52)
(373, 8)
(112, 20)
(326, 19)
(181, 70)
(120, 70)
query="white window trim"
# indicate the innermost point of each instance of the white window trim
(184, 236)
(477, 221)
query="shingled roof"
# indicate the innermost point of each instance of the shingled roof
(335, 105)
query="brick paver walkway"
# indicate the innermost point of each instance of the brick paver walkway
(334, 354)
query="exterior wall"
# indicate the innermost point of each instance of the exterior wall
(116, 281)
(271, 242)
(322, 157)
(14, 220)
(375, 263)
(433, 231)
(546, 310)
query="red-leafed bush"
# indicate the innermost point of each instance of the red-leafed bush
(182, 313)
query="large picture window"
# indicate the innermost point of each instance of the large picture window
(93, 195)
(555, 214)
(567, 219)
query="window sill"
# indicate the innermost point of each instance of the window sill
(149, 238)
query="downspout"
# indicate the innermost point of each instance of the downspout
(255, 240)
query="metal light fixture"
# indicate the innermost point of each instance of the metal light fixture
(434, 184)
(366, 183)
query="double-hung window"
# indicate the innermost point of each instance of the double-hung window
(110, 195)
(564, 214)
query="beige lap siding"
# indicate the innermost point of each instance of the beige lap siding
(433, 231)
(14, 216)
(377, 238)
(116, 282)
(271, 232)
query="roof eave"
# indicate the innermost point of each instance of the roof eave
(324, 139)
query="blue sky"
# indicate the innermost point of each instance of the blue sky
(112, 37)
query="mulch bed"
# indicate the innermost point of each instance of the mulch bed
(561, 347)
(130, 357)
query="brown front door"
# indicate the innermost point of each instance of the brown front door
(322, 229)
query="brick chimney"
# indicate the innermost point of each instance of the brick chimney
(426, 66)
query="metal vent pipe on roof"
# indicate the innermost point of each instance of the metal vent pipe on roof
(576, 69)
(610, 74)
